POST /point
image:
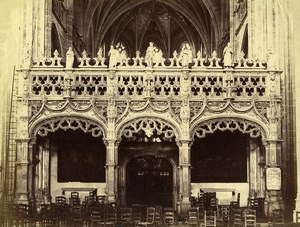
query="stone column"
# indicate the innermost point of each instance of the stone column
(21, 194)
(184, 175)
(273, 198)
(111, 153)
(111, 171)
(252, 161)
(42, 160)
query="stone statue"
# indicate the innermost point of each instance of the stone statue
(227, 54)
(150, 54)
(186, 55)
(114, 55)
(100, 53)
(123, 55)
(69, 58)
(157, 57)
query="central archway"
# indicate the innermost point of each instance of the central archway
(149, 181)
(148, 155)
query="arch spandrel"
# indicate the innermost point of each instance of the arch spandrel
(156, 122)
(234, 123)
(51, 124)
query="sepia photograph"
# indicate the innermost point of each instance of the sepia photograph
(163, 113)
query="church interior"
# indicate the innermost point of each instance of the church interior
(150, 113)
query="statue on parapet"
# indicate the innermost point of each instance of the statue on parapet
(113, 57)
(227, 54)
(150, 54)
(186, 55)
(158, 57)
(123, 57)
(69, 58)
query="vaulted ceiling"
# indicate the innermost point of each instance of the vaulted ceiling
(204, 24)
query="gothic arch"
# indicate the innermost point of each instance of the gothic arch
(254, 129)
(52, 124)
(147, 124)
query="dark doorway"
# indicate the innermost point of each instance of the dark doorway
(149, 181)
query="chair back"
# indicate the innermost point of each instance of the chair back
(210, 219)
(249, 217)
(169, 216)
(297, 216)
(277, 217)
(150, 214)
(193, 215)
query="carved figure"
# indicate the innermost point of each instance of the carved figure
(100, 53)
(186, 55)
(227, 53)
(158, 56)
(114, 55)
(123, 55)
(69, 58)
(150, 54)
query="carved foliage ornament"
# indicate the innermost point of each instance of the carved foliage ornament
(65, 123)
(149, 127)
(227, 125)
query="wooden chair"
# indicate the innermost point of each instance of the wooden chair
(250, 218)
(97, 217)
(210, 219)
(223, 215)
(149, 217)
(277, 218)
(193, 216)
(136, 214)
(297, 216)
(101, 199)
(110, 216)
(158, 216)
(169, 216)
(236, 204)
(236, 216)
(126, 216)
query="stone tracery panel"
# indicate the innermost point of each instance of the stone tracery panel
(149, 127)
(90, 85)
(210, 86)
(65, 123)
(47, 84)
(243, 126)
(167, 85)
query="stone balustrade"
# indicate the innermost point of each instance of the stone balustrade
(133, 78)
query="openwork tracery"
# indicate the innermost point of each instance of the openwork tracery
(65, 123)
(243, 126)
(149, 130)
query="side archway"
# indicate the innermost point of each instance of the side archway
(235, 162)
